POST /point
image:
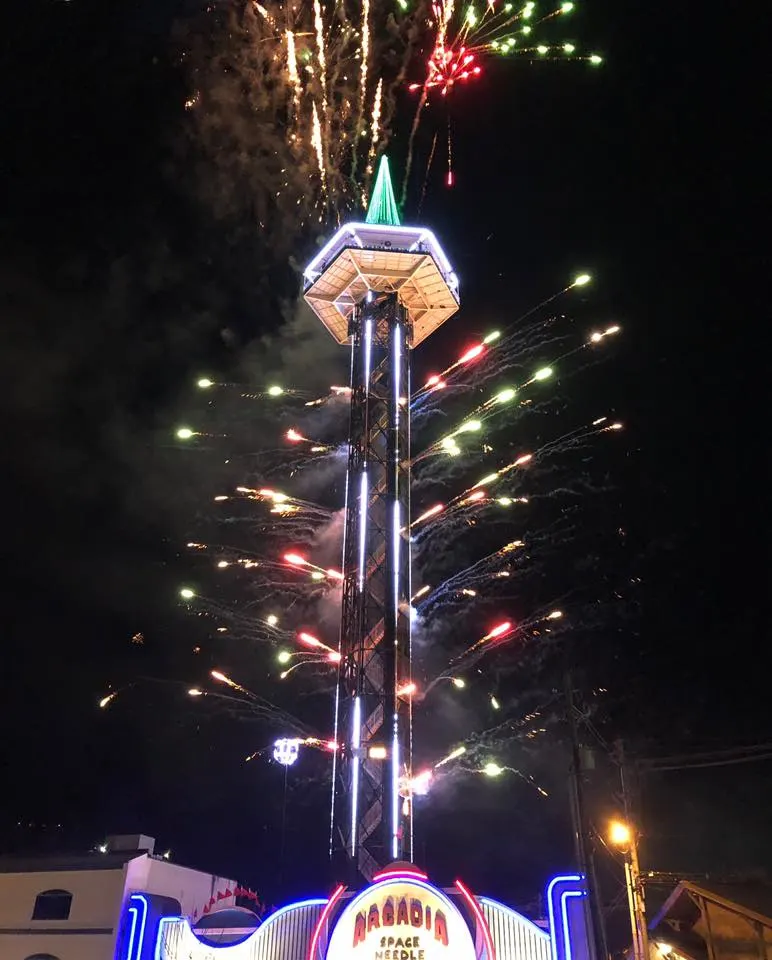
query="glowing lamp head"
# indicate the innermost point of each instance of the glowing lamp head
(619, 833)
(295, 560)
(187, 594)
(283, 656)
(271, 619)
(184, 433)
(275, 391)
(582, 279)
(293, 436)
(285, 751)
(544, 373)
(595, 60)
(204, 383)
(492, 770)
(458, 682)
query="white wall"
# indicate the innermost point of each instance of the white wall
(98, 899)
(96, 895)
(191, 887)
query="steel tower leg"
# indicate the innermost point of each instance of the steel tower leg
(370, 816)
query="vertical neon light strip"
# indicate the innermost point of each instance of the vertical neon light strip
(395, 750)
(395, 547)
(131, 954)
(363, 482)
(397, 361)
(336, 716)
(409, 594)
(334, 767)
(368, 352)
(569, 878)
(356, 737)
(395, 761)
(564, 920)
(395, 757)
(363, 495)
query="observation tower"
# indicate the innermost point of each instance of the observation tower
(381, 288)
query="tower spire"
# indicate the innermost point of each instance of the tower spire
(383, 207)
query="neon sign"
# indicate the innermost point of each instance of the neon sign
(401, 918)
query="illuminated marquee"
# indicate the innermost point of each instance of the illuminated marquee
(401, 918)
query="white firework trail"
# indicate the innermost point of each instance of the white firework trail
(365, 56)
(316, 140)
(292, 69)
(376, 120)
(319, 27)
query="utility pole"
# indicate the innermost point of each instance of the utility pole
(629, 842)
(579, 822)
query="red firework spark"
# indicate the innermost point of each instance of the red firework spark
(446, 67)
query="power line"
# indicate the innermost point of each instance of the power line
(707, 758)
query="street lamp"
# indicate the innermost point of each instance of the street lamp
(619, 833)
(623, 835)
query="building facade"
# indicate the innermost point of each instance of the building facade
(399, 916)
(72, 908)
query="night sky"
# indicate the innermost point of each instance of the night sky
(121, 286)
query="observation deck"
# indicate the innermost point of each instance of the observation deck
(382, 256)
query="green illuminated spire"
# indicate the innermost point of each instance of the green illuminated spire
(383, 206)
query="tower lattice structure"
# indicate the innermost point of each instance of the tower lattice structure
(382, 288)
